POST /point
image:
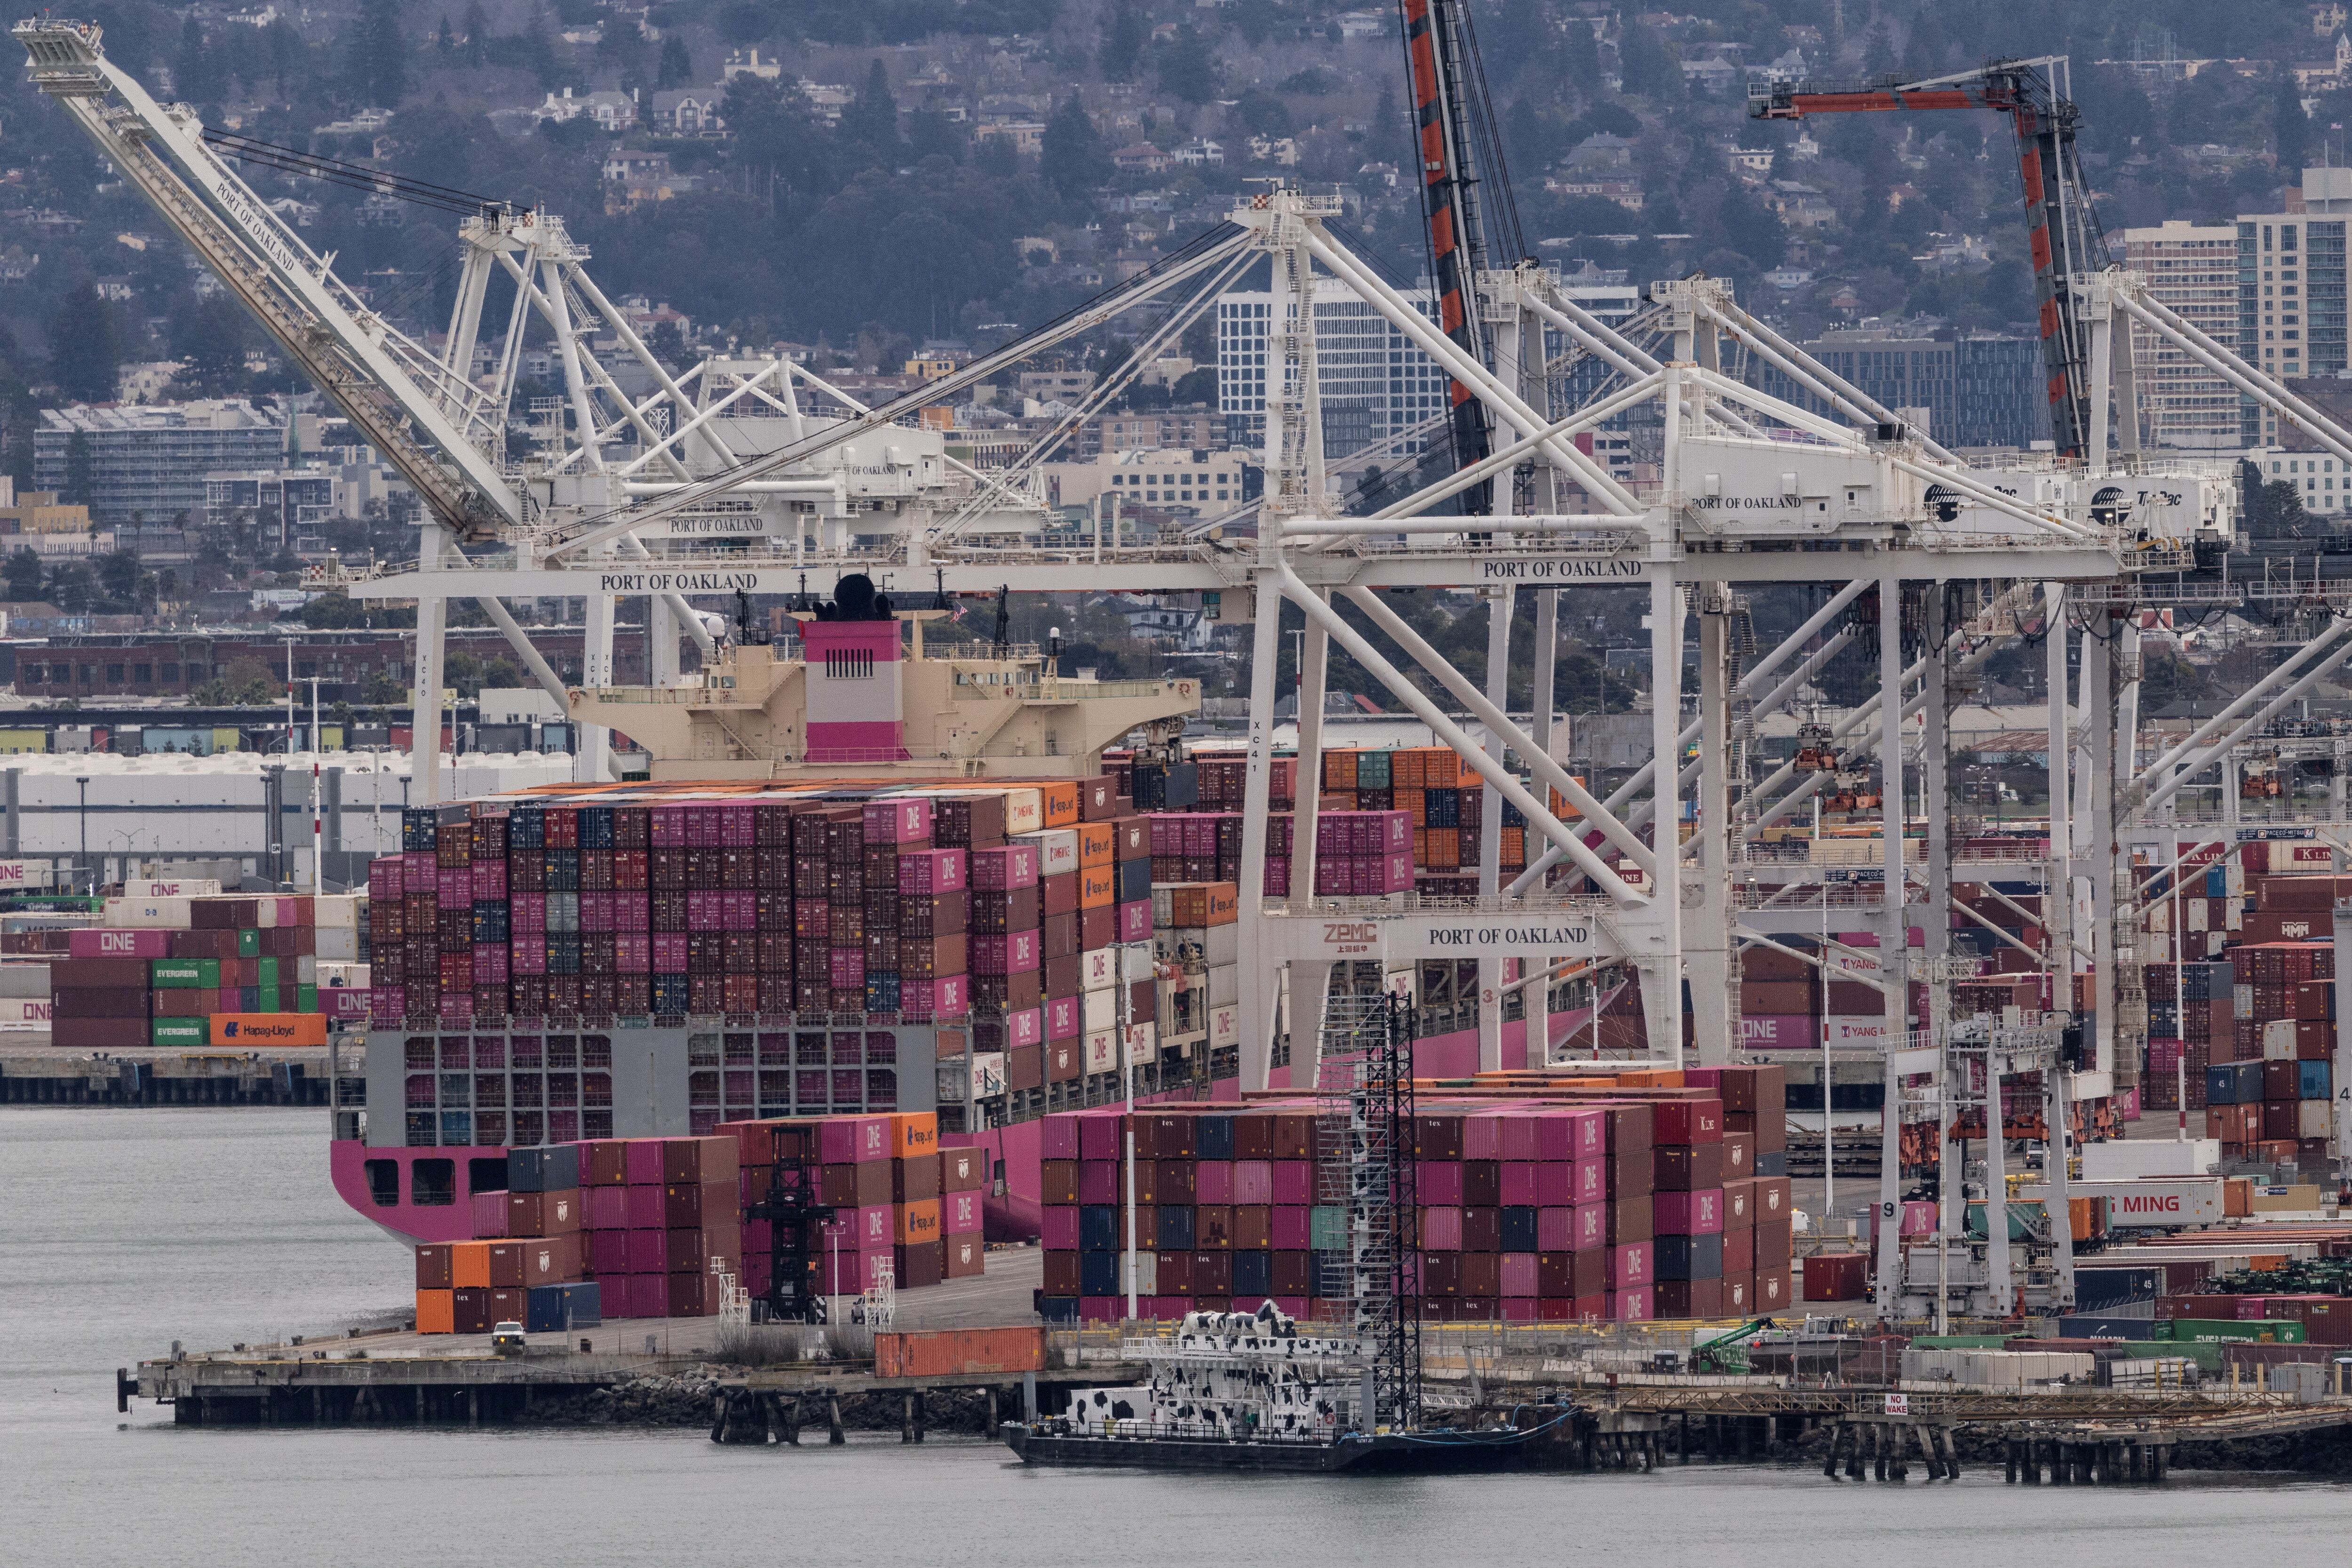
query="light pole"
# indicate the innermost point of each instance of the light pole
(81, 782)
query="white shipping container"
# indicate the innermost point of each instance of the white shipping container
(1215, 944)
(2311, 1118)
(1057, 850)
(341, 943)
(24, 1009)
(1102, 1050)
(1224, 984)
(2157, 1203)
(1224, 1026)
(306, 969)
(1146, 1264)
(340, 911)
(149, 914)
(1098, 1009)
(171, 887)
(2278, 1040)
(2130, 1159)
(1142, 1043)
(335, 974)
(25, 979)
(1024, 811)
(987, 1080)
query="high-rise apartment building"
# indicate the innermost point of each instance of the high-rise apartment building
(2193, 269)
(2291, 293)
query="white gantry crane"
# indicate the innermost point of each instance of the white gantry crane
(743, 475)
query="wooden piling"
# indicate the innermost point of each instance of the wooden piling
(1951, 1453)
(1829, 1464)
(834, 1434)
(921, 1413)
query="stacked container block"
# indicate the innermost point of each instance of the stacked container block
(196, 971)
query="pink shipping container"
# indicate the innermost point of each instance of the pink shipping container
(1780, 1031)
(1521, 1184)
(961, 1213)
(669, 951)
(1631, 1305)
(1520, 1138)
(1135, 920)
(607, 1208)
(847, 1272)
(1254, 1182)
(851, 1140)
(703, 910)
(1062, 1018)
(642, 1162)
(739, 910)
(845, 967)
(1521, 1309)
(906, 820)
(932, 872)
(633, 952)
(948, 996)
(1213, 1182)
(1098, 1137)
(118, 943)
(1554, 1182)
(1004, 869)
(1059, 1137)
(608, 1252)
(387, 1005)
(489, 1214)
(648, 1251)
(1099, 1181)
(1629, 1265)
(871, 1226)
(1688, 1213)
(1518, 1274)
(1026, 1027)
(1589, 1182)
(1057, 1227)
(1441, 1229)
(490, 879)
(345, 1004)
(1554, 1230)
(1294, 1182)
(1591, 1227)
(1438, 1181)
(1482, 1135)
(1292, 1227)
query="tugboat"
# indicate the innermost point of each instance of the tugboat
(1241, 1391)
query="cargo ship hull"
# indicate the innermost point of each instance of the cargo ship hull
(1433, 1453)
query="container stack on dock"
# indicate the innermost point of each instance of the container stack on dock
(1540, 1198)
(2269, 1101)
(227, 971)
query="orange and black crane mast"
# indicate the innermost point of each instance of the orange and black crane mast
(1450, 123)
(2062, 232)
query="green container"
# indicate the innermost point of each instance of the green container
(1327, 1229)
(305, 998)
(1374, 770)
(1960, 1341)
(184, 973)
(267, 1001)
(179, 1031)
(2224, 1331)
(248, 944)
(269, 972)
(2206, 1354)
(2028, 1220)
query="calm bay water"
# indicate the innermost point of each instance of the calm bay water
(120, 1231)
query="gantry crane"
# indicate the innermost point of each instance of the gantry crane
(2062, 232)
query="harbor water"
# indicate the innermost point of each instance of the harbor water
(123, 1230)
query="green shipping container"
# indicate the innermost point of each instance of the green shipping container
(184, 973)
(179, 1031)
(1373, 770)
(2206, 1354)
(305, 998)
(1327, 1229)
(267, 1001)
(269, 975)
(2217, 1331)
(248, 944)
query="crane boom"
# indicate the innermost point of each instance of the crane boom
(2062, 232)
(1436, 58)
(422, 416)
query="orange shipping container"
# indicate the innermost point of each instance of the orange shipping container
(1339, 768)
(437, 1312)
(1414, 803)
(1058, 803)
(1203, 904)
(917, 1222)
(1098, 887)
(914, 1134)
(269, 1029)
(959, 1352)
(470, 1265)
(1098, 844)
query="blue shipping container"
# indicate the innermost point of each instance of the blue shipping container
(2312, 1080)
(557, 1309)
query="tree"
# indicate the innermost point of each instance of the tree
(1073, 157)
(2292, 127)
(1123, 43)
(668, 345)
(283, 45)
(1187, 68)
(118, 573)
(445, 39)
(23, 573)
(871, 118)
(86, 356)
(477, 27)
(196, 73)
(82, 470)
(211, 337)
(376, 67)
(677, 66)
(1649, 64)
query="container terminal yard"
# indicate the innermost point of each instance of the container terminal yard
(936, 1030)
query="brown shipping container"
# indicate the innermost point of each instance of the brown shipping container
(966, 1256)
(1629, 1220)
(914, 1178)
(90, 1001)
(1686, 1168)
(542, 1214)
(962, 1170)
(865, 1184)
(1633, 1175)
(959, 1352)
(920, 1263)
(1759, 998)
(696, 1205)
(698, 1161)
(551, 1259)
(432, 1266)
(1738, 1155)
(98, 973)
(506, 1264)
(98, 1034)
(470, 1309)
